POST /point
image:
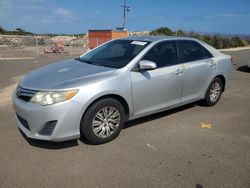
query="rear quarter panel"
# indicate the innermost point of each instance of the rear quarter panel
(224, 68)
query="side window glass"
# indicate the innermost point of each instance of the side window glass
(207, 53)
(163, 54)
(191, 51)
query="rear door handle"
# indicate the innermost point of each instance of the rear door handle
(179, 72)
(212, 64)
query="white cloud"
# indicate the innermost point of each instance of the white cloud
(228, 15)
(45, 20)
(64, 13)
(96, 13)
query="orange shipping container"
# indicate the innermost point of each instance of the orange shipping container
(97, 37)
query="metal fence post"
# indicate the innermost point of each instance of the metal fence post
(70, 50)
(37, 50)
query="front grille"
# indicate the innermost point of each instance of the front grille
(23, 122)
(48, 128)
(25, 94)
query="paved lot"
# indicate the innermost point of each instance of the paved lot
(169, 149)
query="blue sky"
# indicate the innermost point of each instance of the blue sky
(77, 16)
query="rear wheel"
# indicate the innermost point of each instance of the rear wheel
(213, 93)
(103, 121)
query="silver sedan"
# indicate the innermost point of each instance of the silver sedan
(94, 95)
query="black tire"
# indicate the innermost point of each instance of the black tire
(208, 101)
(86, 123)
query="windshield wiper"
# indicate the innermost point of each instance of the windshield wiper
(83, 60)
(86, 61)
(93, 63)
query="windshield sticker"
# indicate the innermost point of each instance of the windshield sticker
(139, 43)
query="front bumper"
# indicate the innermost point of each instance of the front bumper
(66, 118)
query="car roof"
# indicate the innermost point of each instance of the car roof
(156, 38)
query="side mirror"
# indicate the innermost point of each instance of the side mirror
(147, 65)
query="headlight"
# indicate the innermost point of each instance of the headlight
(52, 97)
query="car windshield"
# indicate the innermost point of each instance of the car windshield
(115, 54)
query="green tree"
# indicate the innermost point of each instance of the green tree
(194, 35)
(2, 30)
(237, 41)
(20, 30)
(162, 31)
(226, 43)
(180, 32)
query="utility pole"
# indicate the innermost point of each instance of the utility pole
(125, 10)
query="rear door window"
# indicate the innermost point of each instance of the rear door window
(207, 53)
(192, 51)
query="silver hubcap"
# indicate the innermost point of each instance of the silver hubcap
(215, 91)
(106, 121)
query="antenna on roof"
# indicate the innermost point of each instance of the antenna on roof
(125, 10)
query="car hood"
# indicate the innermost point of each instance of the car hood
(63, 75)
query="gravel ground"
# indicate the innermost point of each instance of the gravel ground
(168, 149)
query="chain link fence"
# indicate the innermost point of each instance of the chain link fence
(31, 47)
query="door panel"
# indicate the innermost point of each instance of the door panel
(195, 78)
(199, 66)
(156, 89)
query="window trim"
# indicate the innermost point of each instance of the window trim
(87, 53)
(136, 67)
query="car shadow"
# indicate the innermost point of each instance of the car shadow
(50, 145)
(243, 69)
(152, 117)
(198, 186)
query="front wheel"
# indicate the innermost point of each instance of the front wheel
(103, 121)
(213, 92)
